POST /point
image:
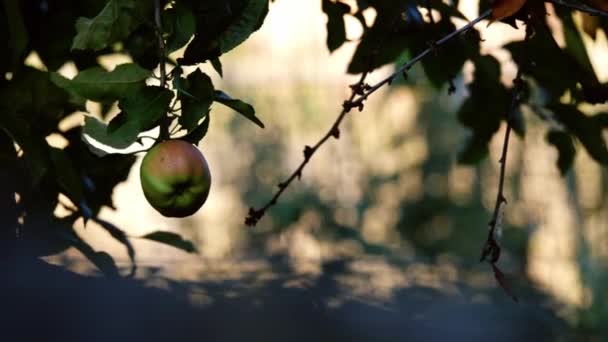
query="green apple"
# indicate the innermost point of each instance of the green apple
(175, 178)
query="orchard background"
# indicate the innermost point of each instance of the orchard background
(394, 211)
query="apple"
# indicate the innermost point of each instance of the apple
(175, 178)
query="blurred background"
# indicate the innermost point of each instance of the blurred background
(384, 214)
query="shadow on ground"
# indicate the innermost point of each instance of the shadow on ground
(43, 302)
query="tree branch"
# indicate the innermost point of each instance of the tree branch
(580, 7)
(360, 92)
(164, 125)
(491, 249)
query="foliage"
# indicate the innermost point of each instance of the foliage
(33, 101)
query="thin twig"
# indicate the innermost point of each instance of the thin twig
(491, 249)
(164, 124)
(256, 214)
(581, 7)
(360, 92)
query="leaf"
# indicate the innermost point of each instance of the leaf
(121, 237)
(64, 83)
(449, 59)
(171, 239)
(336, 32)
(67, 177)
(565, 147)
(102, 260)
(17, 32)
(587, 129)
(505, 8)
(144, 108)
(370, 55)
(197, 134)
(241, 27)
(474, 150)
(98, 131)
(574, 42)
(183, 24)
(241, 107)
(36, 99)
(217, 66)
(197, 94)
(97, 84)
(140, 112)
(34, 146)
(503, 282)
(115, 22)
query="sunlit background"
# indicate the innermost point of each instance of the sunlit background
(388, 197)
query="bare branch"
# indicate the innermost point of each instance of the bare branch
(359, 93)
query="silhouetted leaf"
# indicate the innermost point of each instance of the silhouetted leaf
(243, 25)
(241, 107)
(67, 177)
(196, 96)
(585, 128)
(143, 108)
(121, 237)
(98, 131)
(474, 150)
(33, 145)
(102, 260)
(217, 66)
(17, 33)
(565, 147)
(171, 239)
(115, 22)
(182, 26)
(97, 84)
(64, 83)
(336, 32)
(197, 134)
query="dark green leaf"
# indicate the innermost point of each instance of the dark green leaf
(574, 42)
(35, 148)
(99, 175)
(336, 32)
(98, 131)
(474, 150)
(197, 134)
(183, 26)
(241, 27)
(17, 33)
(142, 46)
(97, 84)
(67, 177)
(241, 107)
(217, 66)
(64, 83)
(196, 97)
(565, 147)
(115, 22)
(585, 128)
(544, 51)
(144, 108)
(171, 239)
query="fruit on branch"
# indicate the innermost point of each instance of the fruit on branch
(175, 178)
